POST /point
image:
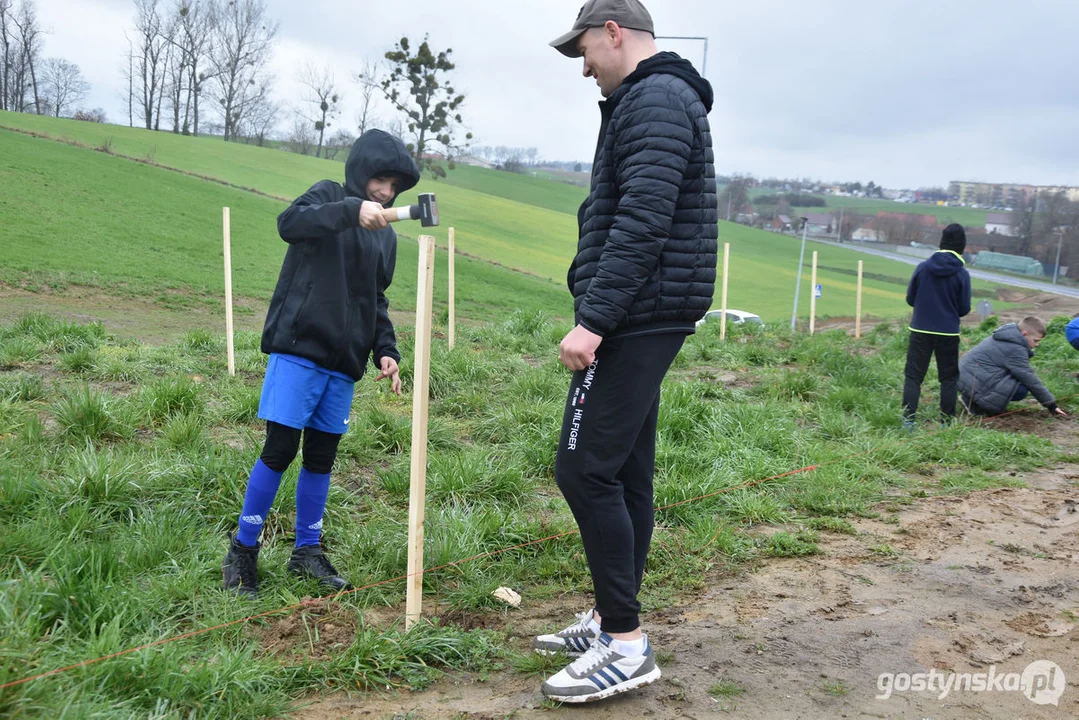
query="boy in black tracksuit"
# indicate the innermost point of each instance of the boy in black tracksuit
(327, 317)
(939, 292)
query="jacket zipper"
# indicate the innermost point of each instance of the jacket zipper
(299, 313)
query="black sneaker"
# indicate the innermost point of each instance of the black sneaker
(308, 561)
(240, 569)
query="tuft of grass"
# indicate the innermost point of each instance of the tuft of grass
(724, 688)
(785, 544)
(84, 414)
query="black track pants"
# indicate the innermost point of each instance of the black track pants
(605, 463)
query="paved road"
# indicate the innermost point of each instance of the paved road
(980, 274)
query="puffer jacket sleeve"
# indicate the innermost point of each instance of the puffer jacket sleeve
(654, 143)
(1018, 364)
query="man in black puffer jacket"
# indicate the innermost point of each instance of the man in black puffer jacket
(327, 316)
(644, 273)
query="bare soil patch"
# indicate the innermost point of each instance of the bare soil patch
(960, 584)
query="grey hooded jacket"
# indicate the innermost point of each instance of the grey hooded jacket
(992, 371)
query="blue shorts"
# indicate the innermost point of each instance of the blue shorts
(299, 394)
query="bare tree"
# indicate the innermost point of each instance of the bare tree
(240, 45)
(340, 141)
(22, 52)
(367, 77)
(321, 94)
(260, 115)
(193, 21)
(302, 136)
(64, 84)
(150, 61)
(5, 54)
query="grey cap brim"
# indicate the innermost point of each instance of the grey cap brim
(567, 44)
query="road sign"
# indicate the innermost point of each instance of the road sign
(817, 290)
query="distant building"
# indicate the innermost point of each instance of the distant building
(782, 223)
(820, 224)
(1003, 194)
(871, 231)
(999, 224)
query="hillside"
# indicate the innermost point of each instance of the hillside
(518, 221)
(135, 231)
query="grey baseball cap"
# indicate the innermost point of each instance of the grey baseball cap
(595, 13)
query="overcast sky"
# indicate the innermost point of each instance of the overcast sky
(906, 93)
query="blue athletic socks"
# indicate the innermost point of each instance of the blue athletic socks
(311, 492)
(261, 490)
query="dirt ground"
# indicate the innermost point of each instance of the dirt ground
(978, 583)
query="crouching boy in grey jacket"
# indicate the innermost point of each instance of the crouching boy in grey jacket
(997, 370)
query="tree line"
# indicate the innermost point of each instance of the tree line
(30, 83)
(198, 67)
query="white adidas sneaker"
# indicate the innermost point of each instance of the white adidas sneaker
(601, 672)
(574, 640)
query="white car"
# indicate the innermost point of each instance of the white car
(735, 317)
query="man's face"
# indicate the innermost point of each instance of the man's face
(1033, 340)
(601, 59)
(382, 189)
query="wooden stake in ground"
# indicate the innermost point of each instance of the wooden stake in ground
(421, 373)
(723, 295)
(228, 291)
(858, 305)
(453, 318)
(813, 296)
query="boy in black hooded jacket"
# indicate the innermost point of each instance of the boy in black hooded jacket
(327, 316)
(939, 292)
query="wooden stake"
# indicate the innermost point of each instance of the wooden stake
(420, 403)
(226, 222)
(813, 296)
(858, 308)
(723, 301)
(453, 316)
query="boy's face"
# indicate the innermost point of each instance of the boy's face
(382, 189)
(1032, 339)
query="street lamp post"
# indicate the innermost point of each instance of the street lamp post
(798, 277)
(704, 62)
(1060, 242)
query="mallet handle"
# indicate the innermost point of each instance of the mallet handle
(409, 212)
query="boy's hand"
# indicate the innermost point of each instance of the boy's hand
(390, 370)
(578, 348)
(1060, 413)
(371, 218)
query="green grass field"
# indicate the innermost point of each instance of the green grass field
(518, 221)
(134, 229)
(968, 217)
(123, 466)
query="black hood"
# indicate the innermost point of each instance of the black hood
(668, 63)
(378, 153)
(944, 263)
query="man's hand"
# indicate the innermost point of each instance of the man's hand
(371, 216)
(578, 349)
(1059, 413)
(390, 370)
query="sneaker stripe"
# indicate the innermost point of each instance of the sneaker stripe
(613, 668)
(600, 684)
(610, 680)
